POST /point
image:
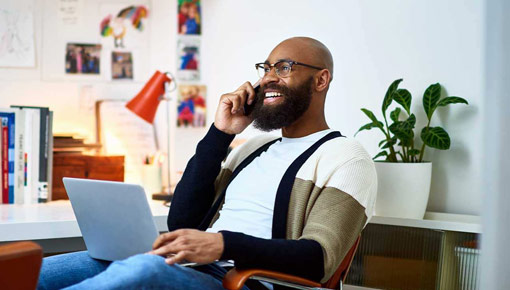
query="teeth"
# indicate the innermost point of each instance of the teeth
(272, 94)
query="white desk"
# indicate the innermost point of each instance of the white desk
(53, 225)
(436, 221)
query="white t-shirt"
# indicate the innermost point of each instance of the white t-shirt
(249, 200)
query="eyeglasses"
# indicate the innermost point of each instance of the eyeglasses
(282, 68)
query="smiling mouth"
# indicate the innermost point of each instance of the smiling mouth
(271, 95)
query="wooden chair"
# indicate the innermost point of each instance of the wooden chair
(235, 279)
(20, 264)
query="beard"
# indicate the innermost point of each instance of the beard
(276, 116)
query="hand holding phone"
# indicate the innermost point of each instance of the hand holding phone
(232, 115)
(249, 108)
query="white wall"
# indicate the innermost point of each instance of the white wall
(373, 43)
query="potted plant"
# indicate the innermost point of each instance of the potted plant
(404, 177)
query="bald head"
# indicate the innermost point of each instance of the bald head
(311, 51)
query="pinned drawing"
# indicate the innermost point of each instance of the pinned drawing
(117, 27)
(16, 39)
(188, 49)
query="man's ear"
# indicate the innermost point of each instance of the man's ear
(323, 80)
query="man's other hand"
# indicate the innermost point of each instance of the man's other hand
(230, 117)
(188, 244)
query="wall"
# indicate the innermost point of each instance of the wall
(373, 43)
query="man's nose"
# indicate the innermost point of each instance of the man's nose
(270, 77)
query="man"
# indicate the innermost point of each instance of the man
(294, 204)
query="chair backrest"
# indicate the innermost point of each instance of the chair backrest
(343, 269)
(20, 264)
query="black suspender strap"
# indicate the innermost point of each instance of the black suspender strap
(212, 212)
(281, 206)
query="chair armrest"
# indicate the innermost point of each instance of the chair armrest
(235, 279)
(20, 265)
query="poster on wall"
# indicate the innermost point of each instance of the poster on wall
(83, 58)
(122, 65)
(124, 26)
(188, 59)
(17, 48)
(189, 14)
(191, 106)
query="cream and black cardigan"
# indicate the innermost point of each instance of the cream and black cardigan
(323, 202)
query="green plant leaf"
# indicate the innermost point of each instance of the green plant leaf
(411, 121)
(403, 97)
(413, 152)
(382, 153)
(388, 97)
(371, 116)
(435, 137)
(403, 131)
(451, 100)
(384, 142)
(369, 126)
(430, 99)
(395, 114)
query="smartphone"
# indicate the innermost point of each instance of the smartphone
(249, 108)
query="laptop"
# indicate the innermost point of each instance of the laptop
(115, 219)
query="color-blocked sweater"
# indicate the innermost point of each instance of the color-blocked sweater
(319, 212)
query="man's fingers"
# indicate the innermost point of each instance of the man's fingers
(170, 248)
(251, 93)
(177, 258)
(236, 103)
(166, 238)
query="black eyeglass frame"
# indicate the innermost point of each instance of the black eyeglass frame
(290, 62)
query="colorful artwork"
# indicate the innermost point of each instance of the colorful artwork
(189, 17)
(83, 58)
(189, 59)
(116, 27)
(122, 65)
(191, 108)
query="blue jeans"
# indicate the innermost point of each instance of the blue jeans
(80, 271)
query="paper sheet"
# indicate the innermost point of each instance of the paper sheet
(124, 133)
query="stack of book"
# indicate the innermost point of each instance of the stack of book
(73, 144)
(26, 154)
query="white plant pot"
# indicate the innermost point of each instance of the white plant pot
(403, 189)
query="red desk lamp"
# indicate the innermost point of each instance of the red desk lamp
(145, 105)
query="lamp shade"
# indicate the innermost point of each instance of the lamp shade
(145, 104)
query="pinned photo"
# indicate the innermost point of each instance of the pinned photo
(189, 59)
(189, 17)
(83, 58)
(122, 65)
(191, 106)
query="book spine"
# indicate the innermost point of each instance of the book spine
(12, 142)
(28, 155)
(1, 161)
(50, 156)
(42, 187)
(5, 160)
(19, 160)
(34, 161)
